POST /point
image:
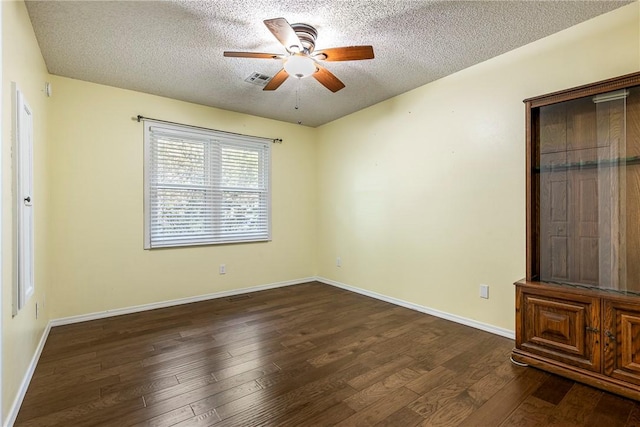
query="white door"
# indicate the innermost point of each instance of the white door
(24, 201)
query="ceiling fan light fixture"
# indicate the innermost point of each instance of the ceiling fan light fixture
(300, 66)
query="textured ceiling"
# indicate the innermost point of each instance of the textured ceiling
(174, 48)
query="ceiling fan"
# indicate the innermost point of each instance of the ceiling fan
(301, 59)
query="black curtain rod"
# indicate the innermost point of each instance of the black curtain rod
(274, 140)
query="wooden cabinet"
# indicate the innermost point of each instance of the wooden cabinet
(578, 309)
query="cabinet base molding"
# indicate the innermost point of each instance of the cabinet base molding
(593, 379)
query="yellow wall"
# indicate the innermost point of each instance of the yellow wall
(422, 196)
(23, 64)
(97, 205)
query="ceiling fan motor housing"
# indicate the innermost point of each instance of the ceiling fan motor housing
(307, 35)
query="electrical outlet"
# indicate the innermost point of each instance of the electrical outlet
(338, 262)
(484, 291)
(222, 269)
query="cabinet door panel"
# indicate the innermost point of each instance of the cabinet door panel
(562, 329)
(622, 341)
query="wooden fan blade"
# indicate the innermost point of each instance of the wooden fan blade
(276, 80)
(347, 53)
(258, 55)
(327, 79)
(285, 34)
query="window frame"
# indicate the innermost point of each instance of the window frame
(213, 174)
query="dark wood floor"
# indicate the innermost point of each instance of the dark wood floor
(302, 355)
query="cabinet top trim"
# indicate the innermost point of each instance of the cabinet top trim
(608, 85)
(577, 290)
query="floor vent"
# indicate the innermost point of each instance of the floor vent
(258, 79)
(238, 298)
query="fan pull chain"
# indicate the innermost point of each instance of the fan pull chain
(298, 100)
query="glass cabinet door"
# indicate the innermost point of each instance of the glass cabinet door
(587, 168)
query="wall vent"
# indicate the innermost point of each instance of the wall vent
(258, 79)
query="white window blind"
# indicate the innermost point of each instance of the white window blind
(205, 187)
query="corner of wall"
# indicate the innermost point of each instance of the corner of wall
(23, 335)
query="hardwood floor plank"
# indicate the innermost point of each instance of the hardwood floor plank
(167, 419)
(90, 412)
(410, 344)
(48, 382)
(207, 419)
(182, 395)
(431, 380)
(381, 409)
(304, 355)
(443, 348)
(493, 382)
(554, 389)
(488, 343)
(87, 357)
(531, 412)
(372, 376)
(404, 417)
(35, 406)
(453, 412)
(210, 348)
(321, 407)
(130, 389)
(223, 368)
(359, 341)
(571, 409)
(634, 417)
(284, 397)
(322, 335)
(380, 390)
(611, 411)
(249, 365)
(189, 367)
(469, 370)
(327, 417)
(268, 404)
(182, 389)
(163, 414)
(498, 408)
(224, 397)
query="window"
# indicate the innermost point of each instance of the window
(204, 187)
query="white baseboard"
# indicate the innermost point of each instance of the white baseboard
(26, 380)
(448, 316)
(152, 306)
